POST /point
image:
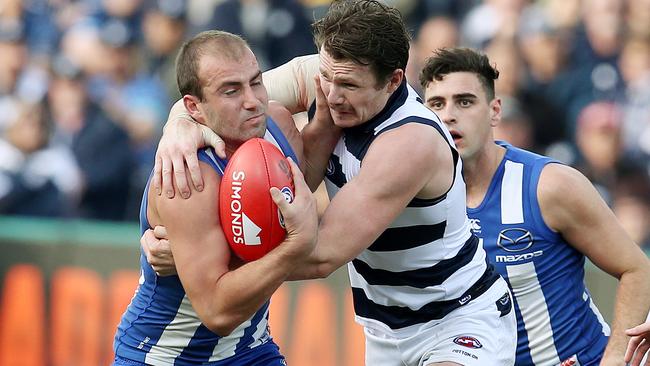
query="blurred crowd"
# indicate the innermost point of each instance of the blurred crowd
(85, 86)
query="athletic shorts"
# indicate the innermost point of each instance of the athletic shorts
(480, 333)
(267, 354)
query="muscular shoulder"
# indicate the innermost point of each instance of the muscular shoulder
(563, 192)
(414, 140)
(162, 209)
(415, 151)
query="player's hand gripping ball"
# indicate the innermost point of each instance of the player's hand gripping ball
(251, 221)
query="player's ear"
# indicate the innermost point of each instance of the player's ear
(192, 105)
(395, 80)
(495, 111)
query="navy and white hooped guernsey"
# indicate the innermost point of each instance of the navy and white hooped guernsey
(427, 263)
(160, 327)
(556, 317)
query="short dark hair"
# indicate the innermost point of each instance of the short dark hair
(448, 60)
(366, 32)
(213, 42)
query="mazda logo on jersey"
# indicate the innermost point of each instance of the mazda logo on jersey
(515, 239)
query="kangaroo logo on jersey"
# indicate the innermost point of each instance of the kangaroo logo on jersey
(515, 239)
(504, 305)
(467, 341)
(334, 172)
(330, 167)
(475, 225)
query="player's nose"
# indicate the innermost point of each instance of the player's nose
(446, 115)
(250, 99)
(334, 96)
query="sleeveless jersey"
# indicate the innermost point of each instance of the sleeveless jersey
(160, 327)
(556, 317)
(427, 262)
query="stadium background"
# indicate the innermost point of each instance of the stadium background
(85, 86)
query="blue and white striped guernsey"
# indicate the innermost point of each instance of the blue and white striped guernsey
(427, 263)
(160, 327)
(556, 317)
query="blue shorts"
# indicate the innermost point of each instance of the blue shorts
(267, 354)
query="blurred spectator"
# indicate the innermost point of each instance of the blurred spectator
(505, 55)
(564, 15)
(602, 22)
(515, 126)
(543, 89)
(594, 73)
(14, 56)
(121, 8)
(598, 139)
(634, 212)
(133, 98)
(635, 68)
(436, 32)
(40, 29)
(277, 30)
(632, 202)
(35, 179)
(163, 29)
(101, 148)
(67, 13)
(492, 19)
(637, 18)
(128, 12)
(18, 78)
(82, 45)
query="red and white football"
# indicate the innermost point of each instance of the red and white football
(251, 221)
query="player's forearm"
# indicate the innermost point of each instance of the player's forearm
(327, 256)
(631, 308)
(315, 266)
(177, 110)
(319, 141)
(244, 291)
(291, 84)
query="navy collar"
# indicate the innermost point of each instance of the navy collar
(395, 101)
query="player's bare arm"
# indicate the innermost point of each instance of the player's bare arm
(225, 298)
(320, 137)
(573, 207)
(291, 84)
(366, 205)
